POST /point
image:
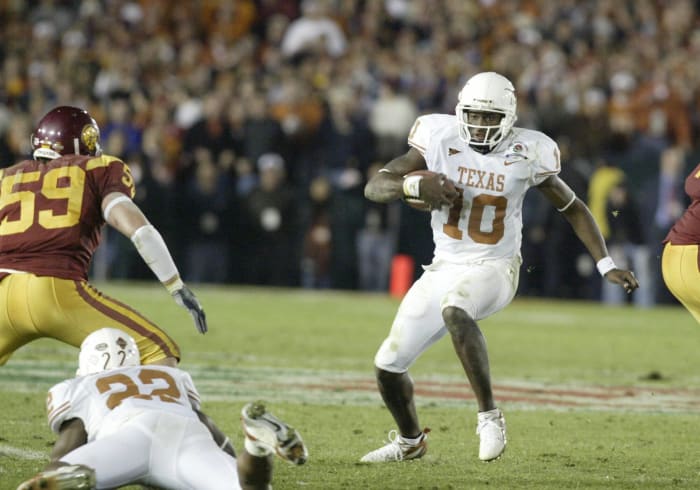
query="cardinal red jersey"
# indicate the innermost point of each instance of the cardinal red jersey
(51, 213)
(686, 231)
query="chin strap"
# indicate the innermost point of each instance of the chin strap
(483, 149)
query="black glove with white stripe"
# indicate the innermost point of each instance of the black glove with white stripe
(186, 298)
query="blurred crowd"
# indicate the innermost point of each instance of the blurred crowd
(251, 125)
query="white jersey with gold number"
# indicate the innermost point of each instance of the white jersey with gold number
(486, 221)
(104, 400)
(477, 239)
(142, 428)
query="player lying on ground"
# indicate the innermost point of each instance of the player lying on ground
(53, 209)
(121, 423)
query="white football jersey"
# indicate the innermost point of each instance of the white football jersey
(104, 400)
(486, 222)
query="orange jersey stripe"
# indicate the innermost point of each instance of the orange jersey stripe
(58, 412)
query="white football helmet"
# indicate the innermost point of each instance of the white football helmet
(107, 348)
(486, 92)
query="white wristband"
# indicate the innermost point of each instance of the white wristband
(411, 186)
(154, 252)
(605, 265)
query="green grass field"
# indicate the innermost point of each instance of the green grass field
(595, 397)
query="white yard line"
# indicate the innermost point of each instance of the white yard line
(18, 452)
(353, 388)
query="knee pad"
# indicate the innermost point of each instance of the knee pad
(387, 357)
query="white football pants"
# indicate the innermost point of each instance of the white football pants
(160, 449)
(481, 289)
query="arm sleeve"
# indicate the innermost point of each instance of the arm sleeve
(154, 252)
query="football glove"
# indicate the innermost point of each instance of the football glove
(186, 298)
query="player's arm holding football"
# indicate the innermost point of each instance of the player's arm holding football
(391, 183)
(581, 220)
(120, 212)
(71, 435)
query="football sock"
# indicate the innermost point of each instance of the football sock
(254, 448)
(410, 441)
(493, 411)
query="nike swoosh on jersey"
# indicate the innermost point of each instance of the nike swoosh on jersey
(514, 159)
(452, 151)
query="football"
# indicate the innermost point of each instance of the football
(418, 204)
(414, 202)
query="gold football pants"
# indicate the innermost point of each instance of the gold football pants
(680, 266)
(33, 307)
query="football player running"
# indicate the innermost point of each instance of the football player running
(477, 233)
(52, 211)
(121, 423)
(680, 261)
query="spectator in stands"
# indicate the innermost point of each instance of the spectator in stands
(317, 242)
(206, 210)
(271, 214)
(390, 119)
(634, 63)
(314, 32)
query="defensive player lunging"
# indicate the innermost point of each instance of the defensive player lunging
(52, 211)
(680, 262)
(481, 167)
(121, 423)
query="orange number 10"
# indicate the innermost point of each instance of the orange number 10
(476, 214)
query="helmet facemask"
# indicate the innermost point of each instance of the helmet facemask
(490, 98)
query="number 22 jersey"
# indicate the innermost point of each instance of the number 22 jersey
(485, 220)
(104, 401)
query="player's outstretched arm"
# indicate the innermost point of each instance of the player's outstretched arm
(387, 184)
(219, 437)
(585, 227)
(121, 213)
(58, 474)
(72, 435)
